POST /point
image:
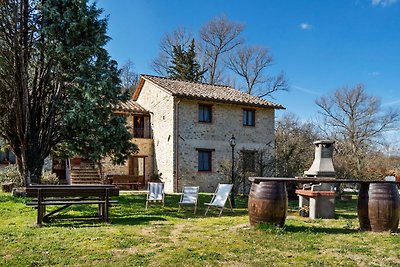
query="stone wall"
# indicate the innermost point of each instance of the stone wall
(175, 127)
(145, 146)
(226, 120)
(161, 107)
(146, 150)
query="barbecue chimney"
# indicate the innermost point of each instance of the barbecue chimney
(323, 164)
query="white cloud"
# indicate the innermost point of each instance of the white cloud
(383, 3)
(375, 73)
(305, 26)
(305, 90)
(392, 103)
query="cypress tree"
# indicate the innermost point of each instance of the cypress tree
(58, 84)
(184, 65)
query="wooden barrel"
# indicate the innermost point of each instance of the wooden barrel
(268, 203)
(378, 207)
(383, 207)
(362, 207)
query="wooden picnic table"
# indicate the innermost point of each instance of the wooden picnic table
(67, 195)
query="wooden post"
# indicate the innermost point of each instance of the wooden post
(101, 208)
(107, 206)
(39, 208)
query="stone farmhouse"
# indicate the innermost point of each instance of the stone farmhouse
(183, 130)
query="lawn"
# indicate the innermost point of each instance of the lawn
(166, 237)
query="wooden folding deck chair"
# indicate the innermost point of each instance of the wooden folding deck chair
(189, 196)
(220, 197)
(155, 193)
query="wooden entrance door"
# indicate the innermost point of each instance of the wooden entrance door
(137, 169)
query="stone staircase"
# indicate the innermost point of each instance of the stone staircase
(85, 173)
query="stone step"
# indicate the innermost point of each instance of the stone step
(87, 165)
(86, 177)
(89, 179)
(83, 168)
(86, 181)
(84, 173)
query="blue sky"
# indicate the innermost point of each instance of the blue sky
(320, 45)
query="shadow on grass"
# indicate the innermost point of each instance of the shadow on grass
(318, 230)
(78, 222)
(158, 214)
(137, 220)
(66, 220)
(7, 197)
(348, 216)
(130, 210)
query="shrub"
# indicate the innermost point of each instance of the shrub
(49, 178)
(10, 174)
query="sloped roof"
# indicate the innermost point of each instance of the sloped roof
(207, 92)
(130, 106)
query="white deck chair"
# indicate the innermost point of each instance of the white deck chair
(220, 197)
(189, 197)
(155, 193)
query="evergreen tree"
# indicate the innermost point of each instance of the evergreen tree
(58, 84)
(184, 65)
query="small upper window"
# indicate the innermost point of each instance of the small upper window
(248, 117)
(205, 113)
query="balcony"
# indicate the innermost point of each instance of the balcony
(141, 133)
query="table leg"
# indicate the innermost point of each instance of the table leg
(40, 209)
(106, 206)
(101, 208)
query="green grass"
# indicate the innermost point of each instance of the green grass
(166, 237)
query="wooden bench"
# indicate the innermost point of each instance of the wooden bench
(126, 180)
(67, 195)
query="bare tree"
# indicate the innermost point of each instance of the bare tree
(294, 145)
(253, 163)
(250, 63)
(218, 37)
(273, 84)
(129, 78)
(179, 37)
(356, 121)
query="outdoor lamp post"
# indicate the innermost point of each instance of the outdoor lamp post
(232, 142)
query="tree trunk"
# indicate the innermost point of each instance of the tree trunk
(33, 161)
(31, 168)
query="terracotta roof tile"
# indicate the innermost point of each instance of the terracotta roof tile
(130, 106)
(203, 91)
